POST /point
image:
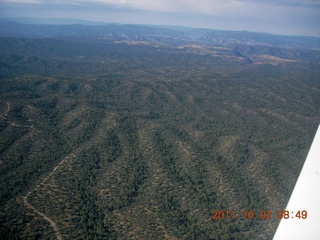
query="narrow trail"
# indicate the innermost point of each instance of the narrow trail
(52, 223)
(8, 108)
(25, 199)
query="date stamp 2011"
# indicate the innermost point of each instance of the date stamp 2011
(262, 214)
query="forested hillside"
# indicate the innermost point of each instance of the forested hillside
(109, 139)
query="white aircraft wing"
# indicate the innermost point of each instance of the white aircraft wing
(302, 219)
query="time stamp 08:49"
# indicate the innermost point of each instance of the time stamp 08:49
(262, 214)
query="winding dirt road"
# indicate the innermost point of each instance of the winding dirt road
(52, 223)
(25, 200)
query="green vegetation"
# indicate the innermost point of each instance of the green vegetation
(114, 140)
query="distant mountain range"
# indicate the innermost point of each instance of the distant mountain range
(255, 47)
(69, 28)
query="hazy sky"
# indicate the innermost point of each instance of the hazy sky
(290, 17)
